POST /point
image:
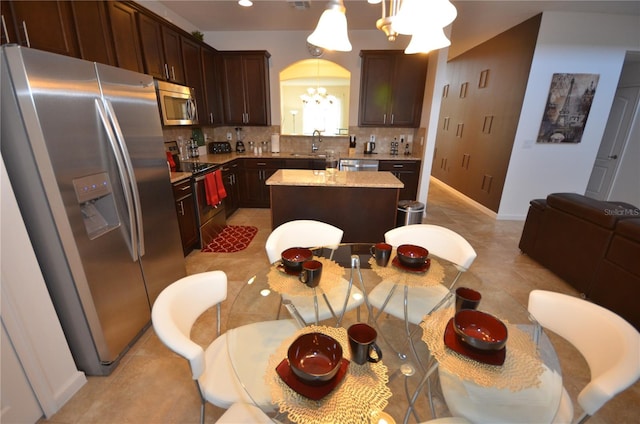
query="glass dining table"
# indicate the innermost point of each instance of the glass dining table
(421, 375)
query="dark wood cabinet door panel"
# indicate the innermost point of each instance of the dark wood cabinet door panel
(95, 40)
(43, 25)
(151, 41)
(125, 36)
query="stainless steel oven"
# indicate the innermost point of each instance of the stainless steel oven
(211, 219)
(177, 104)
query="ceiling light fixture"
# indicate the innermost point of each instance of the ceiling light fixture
(331, 31)
(245, 3)
(423, 20)
(426, 40)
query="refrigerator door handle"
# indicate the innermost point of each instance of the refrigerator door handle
(123, 177)
(132, 178)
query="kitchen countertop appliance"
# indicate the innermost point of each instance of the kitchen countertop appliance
(239, 142)
(369, 147)
(83, 147)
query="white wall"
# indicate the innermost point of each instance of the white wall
(28, 314)
(567, 43)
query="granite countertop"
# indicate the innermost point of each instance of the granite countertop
(304, 177)
(223, 158)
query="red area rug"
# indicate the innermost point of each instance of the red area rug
(233, 238)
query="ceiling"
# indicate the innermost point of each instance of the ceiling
(477, 20)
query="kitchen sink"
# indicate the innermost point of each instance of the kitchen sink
(308, 155)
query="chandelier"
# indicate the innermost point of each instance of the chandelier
(424, 20)
(318, 96)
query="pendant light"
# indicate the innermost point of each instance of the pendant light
(414, 15)
(331, 31)
(426, 39)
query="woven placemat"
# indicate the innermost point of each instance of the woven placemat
(432, 277)
(360, 396)
(291, 285)
(522, 367)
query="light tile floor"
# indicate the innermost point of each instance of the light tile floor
(152, 385)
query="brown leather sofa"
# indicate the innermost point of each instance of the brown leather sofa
(593, 245)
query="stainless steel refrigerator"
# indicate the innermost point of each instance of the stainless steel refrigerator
(83, 146)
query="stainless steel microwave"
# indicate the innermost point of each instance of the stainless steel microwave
(177, 104)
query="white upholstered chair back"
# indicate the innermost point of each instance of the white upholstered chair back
(609, 344)
(301, 233)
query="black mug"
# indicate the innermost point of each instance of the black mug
(311, 273)
(382, 253)
(467, 298)
(362, 341)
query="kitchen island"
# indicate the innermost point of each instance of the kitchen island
(362, 204)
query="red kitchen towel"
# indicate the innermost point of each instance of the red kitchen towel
(172, 163)
(211, 189)
(222, 193)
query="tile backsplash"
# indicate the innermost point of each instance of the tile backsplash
(302, 143)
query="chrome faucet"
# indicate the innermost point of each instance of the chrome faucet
(314, 147)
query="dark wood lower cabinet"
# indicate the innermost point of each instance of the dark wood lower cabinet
(231, 180)
(364, 214)
(186, 212)
(254, 193)
(407, 171)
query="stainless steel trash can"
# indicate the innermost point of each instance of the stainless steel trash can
(409, 212)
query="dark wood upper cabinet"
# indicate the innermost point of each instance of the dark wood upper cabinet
(211, 85)
(161, 49)
(191, 59)
(125, 36)
(43, 25)
(171, 42)
(95, 40)
(245, 88)
(391, 88)
(151, 42)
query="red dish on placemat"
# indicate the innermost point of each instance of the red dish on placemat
(282, 268)
(312, 392)
(455, 343)
(396, 262)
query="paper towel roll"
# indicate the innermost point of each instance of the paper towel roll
(275, 143)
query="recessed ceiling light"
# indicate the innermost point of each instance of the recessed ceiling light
(245, 3)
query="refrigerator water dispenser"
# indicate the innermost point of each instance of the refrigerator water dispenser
(96, 204)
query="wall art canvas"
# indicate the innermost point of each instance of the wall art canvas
(568, 106)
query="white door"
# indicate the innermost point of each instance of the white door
(614, 139)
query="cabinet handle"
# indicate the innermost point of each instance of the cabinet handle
(185, 188)
(384, 118)
(4, 29)
(392, 116)
(181, 208)
(211, 118)
(398, 166)
(166, 71)
(261, 163)
(26, 34)
(173, 73)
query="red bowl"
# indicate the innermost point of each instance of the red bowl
(293, 257)
(411, 255)
(480, 330)
(315, 358)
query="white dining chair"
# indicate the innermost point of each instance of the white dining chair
(413, 303)
(173, 315)
(609, 344)
(310, 234)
